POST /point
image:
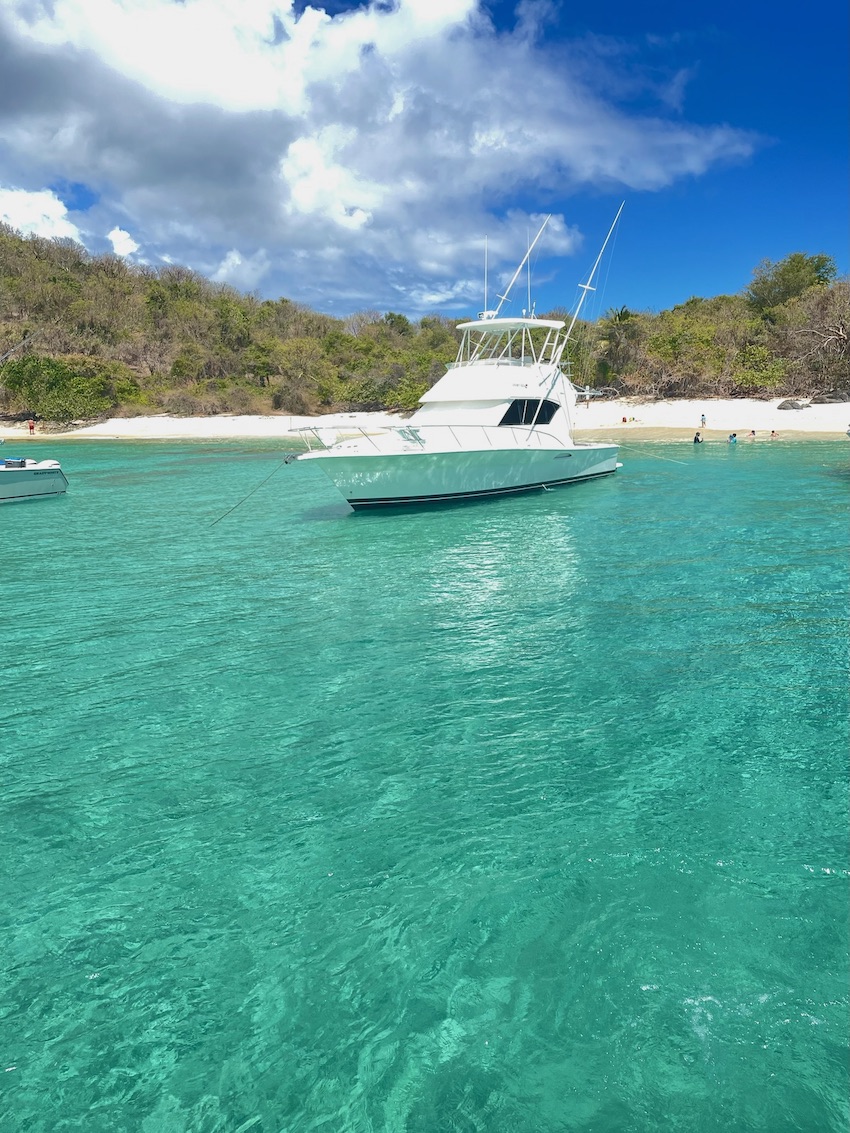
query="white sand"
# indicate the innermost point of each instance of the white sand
(722, 416)
(661, 420)
(222, 426)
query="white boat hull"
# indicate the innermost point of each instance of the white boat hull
(386, 479)
(34, 480)
(498, 421)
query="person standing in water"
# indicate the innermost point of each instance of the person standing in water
(697, 438)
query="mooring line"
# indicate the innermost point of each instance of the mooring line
(669, 459)
(244, 498)
(654, 456)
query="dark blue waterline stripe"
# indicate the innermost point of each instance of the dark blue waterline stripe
(389, 501)
(30, 496)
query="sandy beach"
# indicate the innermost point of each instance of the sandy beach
(622, 419)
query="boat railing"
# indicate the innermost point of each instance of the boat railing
(484, 360)
(326, 437)
(465, 437)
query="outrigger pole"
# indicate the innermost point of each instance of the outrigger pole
(585, 287)
(525, 258)
(18, 345)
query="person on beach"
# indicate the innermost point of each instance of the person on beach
(774, 436)
(697, 438)
(752, 434)
(31, 426)
(702, 420)
(733, 439)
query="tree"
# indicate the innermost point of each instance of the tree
(189, 364)
(264, 358)
(813, 333)
(774, 284)
(60, 389)
(756, 369)
(355, 323)
(398, 323)
(620, 333)
(234, 327)
(306, 373)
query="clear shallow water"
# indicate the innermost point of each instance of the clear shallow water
(527, 815)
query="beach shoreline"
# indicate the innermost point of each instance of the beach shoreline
(619, 420)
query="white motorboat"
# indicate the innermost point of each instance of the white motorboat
(499, 421)
(24, 479)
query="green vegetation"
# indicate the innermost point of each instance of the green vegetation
(98, 336)
(787, 334)
(775, 284)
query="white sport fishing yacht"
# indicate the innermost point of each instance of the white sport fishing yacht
(24, 479)
(499, 421)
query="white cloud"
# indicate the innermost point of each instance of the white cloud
(123, 243)
(320, 183)
(41, 213)
(378, 145)
(227, 53)
(242, 272)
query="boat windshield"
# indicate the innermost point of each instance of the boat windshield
(530, 411)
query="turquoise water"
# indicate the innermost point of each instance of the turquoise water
(521, 817)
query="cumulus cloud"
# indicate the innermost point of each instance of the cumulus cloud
(40, 213)
(122, 242)
(350, 159)
(243, 272)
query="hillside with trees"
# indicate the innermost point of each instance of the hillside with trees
(92, 336)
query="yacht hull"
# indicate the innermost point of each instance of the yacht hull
(31, 483)
(384, 480)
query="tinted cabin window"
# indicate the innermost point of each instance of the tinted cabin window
(523, 412)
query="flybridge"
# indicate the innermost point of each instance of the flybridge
(511, 342)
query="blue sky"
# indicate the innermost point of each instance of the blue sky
(355, 157)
